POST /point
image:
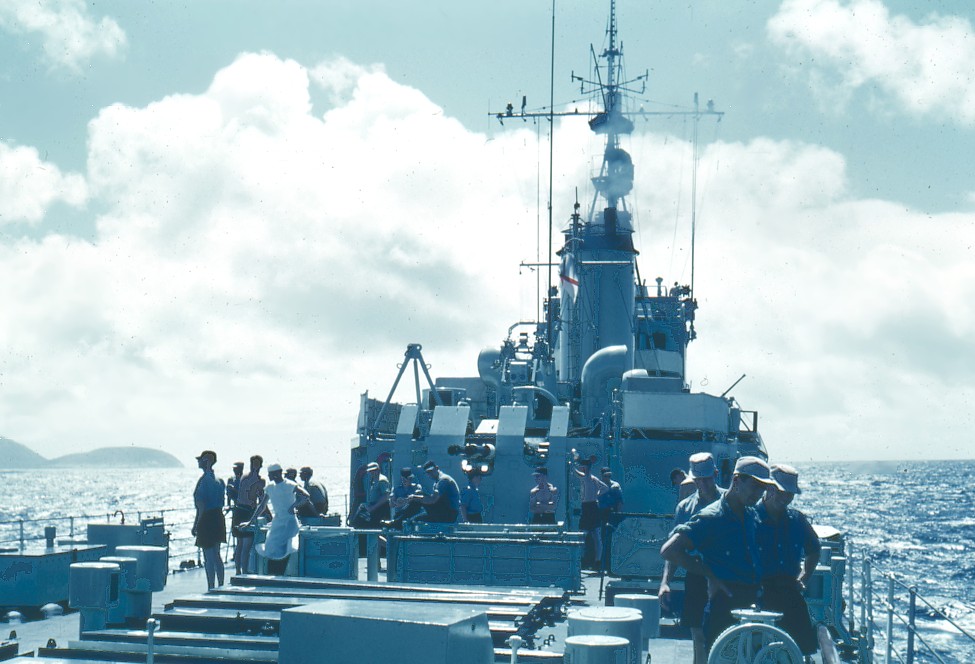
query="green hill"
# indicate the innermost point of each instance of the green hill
(20, 457)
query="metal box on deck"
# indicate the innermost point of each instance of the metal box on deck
(35, 575)
(148, 532)
(328, 553)
(355, 631)
(489, 559)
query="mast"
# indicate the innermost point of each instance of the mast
(551, 168)
(598, 259)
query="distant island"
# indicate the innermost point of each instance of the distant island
(18, 457)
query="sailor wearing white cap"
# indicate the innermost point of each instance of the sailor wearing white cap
(375, 508)
(284, 496)
(789, 551)
(723, 533)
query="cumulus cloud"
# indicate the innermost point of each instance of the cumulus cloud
(258, 264)
(844, 47)
(68, 32)
(29, 185)
(850, 317)
(250, 255)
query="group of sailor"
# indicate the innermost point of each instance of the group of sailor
(388, 506)
(286, 497)
(741, 546)
(445, 503)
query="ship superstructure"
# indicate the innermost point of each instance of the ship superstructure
(601, 376)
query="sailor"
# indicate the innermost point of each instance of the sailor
(471, 507)
(543, 498)
(233, 482)
(443, 505)
(683, 484)
(375, 508)
(399, 498)
(317, 505)
(291, 474)
(723, 533)
(590, 487)
(209, 527)
(703, 473)
(284, 496)
(789, 551)
(610, 500)
(249, 494)
(677, 476)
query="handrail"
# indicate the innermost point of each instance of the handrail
(178, 522)
(913, 635)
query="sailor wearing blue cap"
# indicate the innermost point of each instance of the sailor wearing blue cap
(443, 505)
(789, 551)
(723, 533)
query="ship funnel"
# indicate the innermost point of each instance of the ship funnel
(603, 368)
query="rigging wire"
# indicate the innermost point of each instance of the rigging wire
(551, 169)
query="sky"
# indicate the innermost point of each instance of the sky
(221, 222)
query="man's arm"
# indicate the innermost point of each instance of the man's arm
(812, 547)
(664, 591)
(677, 550)
(383, 498)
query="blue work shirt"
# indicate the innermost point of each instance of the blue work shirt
(784, 544)
(470, 498)
(448, 491)
(725, 542)
(691, 506)
(209, 492)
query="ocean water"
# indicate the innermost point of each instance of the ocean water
(915, 519)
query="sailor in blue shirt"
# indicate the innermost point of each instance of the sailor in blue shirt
(723, 533)
(703, 473)
(471, 507)
(209, 527)
(443, 505)
(789, 551)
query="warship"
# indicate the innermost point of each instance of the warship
(600, 377)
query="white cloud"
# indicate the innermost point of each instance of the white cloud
(925, 67)
(256, 267)
(29, 185)
(254, 258)
(70, 35)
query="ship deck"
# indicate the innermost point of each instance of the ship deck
(201, 626)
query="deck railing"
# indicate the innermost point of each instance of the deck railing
(903, 639)
(178, 521)
(20, 533)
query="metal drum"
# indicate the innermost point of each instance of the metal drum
(152, 568)
(609, 621)
(93, 589)
(649, 607)
(127, 584)
(596, 649)
(150, 576)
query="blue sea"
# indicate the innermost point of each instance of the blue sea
(915, 519)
